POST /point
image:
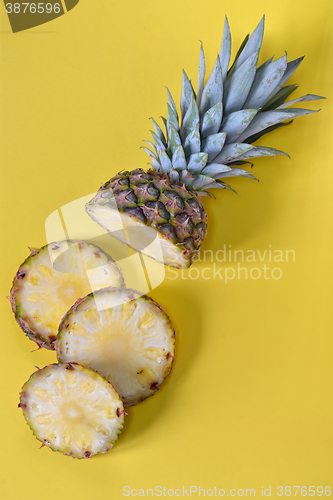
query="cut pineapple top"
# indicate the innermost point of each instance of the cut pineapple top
(126, 337)
(50, 281)
(72, 409)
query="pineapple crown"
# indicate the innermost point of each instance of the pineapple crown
(222, 120)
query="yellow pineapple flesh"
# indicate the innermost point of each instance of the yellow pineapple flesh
(72, 409)
(50, 281)
(126, 337)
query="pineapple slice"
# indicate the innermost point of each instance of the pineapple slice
(72, 409)
(123, 335)
(50, 281)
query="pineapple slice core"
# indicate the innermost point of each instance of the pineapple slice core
(72, 412)
(126, 337)
(72, 409)
(52, 280)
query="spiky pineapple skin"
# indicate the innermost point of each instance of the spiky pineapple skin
(173, 209)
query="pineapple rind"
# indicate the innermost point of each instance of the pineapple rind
(100, 381)
(25, 321)
(125, 369)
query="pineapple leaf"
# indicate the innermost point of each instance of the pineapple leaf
(186, 178)
(220, 185)
(225, 50)
(201, 181)
(201, 75)
(252, 46)
(214, 170)
(266, 81)
(213, 145)
(172, 118)
(258, 151)
(166, 164)
(149, 151)
(151, 144)
(213, 91)
(196, 162)
(172, 103)
(256, 137)
(268, 118)
(174, 176)
(173, 139)
(238, 172)
(263, 65)
(232, 151)
(178, 159)
(158, 131)
(158, 143)
(235, 123)
(307, 97)
(206, 193)
(279, 98)
(291, 68)
(156, 164)
(192, 142)
(187, 95)
(154, 161)
(164, 120)
(237, 86)
(211, 120)
(244, 42)
(191, 120)
(239, 163)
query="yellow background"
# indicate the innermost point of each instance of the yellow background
(249, 402)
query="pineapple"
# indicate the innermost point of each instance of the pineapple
(50, 281)
(212, 141)
(72, 409)
(123, 335)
